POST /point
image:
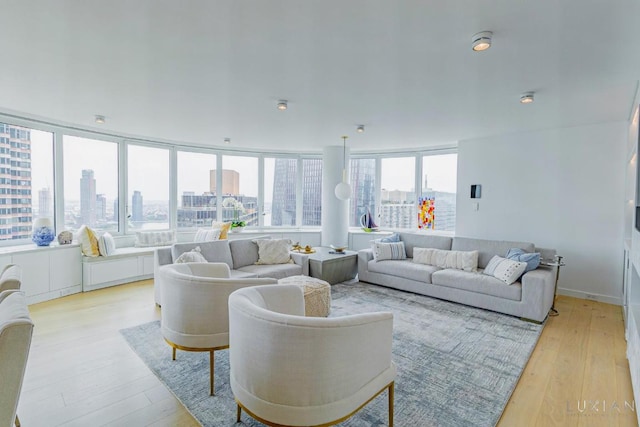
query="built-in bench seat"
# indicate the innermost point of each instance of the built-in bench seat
(125, 265)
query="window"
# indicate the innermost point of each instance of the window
(280, 178)
(439, 179)
(363, 190)
(28, 155)
(148, 186)
(398, 196)
(90, 183)
(239, 189)
(196, 189)
(312, 192)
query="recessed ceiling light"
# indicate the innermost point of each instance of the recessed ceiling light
(100, 119)
(227, 140)
(282, 104)
(526, 98)
(360, 128)
(481, 41)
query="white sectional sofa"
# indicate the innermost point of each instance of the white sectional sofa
(240, 255)
(530, 297)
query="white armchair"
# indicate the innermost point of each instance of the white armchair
(195, 314)
(292, 370)
(11, 277)
(16, 329)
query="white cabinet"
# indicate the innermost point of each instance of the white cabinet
(130, 265)
(47, 272)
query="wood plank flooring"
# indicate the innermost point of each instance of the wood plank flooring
(82, 373)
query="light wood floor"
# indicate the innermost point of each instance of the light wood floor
(82, 373)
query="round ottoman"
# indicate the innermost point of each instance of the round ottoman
(317, 294)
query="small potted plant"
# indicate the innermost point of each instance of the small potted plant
(237, 226)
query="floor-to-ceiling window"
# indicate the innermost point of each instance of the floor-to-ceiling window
(239, 191)
(438, 198)
(196, 195)
(363, 191)
(280, 190)
(311, 192)
(398, 193)
(148, 188)
(90, 183)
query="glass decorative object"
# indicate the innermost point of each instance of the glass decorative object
(43, 233)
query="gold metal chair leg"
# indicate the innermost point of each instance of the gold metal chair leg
(211, 365)
(17, 421)
(239, 412)
(391, 392)
(174, 353)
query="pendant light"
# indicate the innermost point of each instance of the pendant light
(343, 189)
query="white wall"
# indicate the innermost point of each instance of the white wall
(561, 189)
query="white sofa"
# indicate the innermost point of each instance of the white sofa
(530, 298)
(240, 255)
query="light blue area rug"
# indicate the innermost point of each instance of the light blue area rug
(457, 365)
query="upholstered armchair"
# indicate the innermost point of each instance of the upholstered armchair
(292, 370)
(11, 277)
(195, 314)
(16, 329)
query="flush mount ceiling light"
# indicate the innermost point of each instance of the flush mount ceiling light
(343, 189)
(360, 128)
(227, 140)
(526, 98)
(100, 119)
(481, 41)
(282, 104)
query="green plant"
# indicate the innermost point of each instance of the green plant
(235, 224)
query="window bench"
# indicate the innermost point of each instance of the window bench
(126, 265)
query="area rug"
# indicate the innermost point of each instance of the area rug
(457, 365)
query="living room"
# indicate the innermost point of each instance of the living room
(206, 80)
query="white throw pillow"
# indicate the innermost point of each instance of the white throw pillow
(88, 241)
(505, 269)
(106, 244)
(273, 251)
(145, 239)
(384, 251)
(459, 260)
(193, 255)
(207, 234)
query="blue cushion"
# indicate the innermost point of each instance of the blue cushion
(395, 237)
(532, 259)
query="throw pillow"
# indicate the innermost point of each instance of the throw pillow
(459, 260)
(505, 269)
(106, 244)
(193, 255)
(273, 251)
(395, 237)
(385, 251)
(207, 234)
(224, 228)
(88, 241)
(145, 239)
(532, 259)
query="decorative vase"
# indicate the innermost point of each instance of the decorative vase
(43, 233)
(236, 229)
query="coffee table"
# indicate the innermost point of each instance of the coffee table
(331, 267)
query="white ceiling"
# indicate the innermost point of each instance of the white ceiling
(200, 71)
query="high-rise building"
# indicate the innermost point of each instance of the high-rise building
(312, 192)
(363, 187)
(283, 206)
(16, 214)
(196, 210)
(445, 209)
(87, 198)
(230, 182)
(45, 205)
(101, 207)
(136, 207)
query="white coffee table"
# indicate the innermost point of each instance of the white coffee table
(333, 268)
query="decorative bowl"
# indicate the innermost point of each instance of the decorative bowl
(338, 249)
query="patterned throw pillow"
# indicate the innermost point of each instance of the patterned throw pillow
(273, 251)
(532, 259)
(145, 239)
(459, 260)
(88, 241)
(207, 234)
(223, 227)
(106, 244)
(505, 269)
(193, 255)
(384, 251)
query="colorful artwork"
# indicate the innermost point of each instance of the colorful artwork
(426, 213)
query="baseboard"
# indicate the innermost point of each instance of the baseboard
(590, 296)
(58, 293)
(96, 286)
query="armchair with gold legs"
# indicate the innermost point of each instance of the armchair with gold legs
(194, 314)
(290, 370)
